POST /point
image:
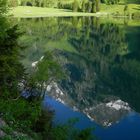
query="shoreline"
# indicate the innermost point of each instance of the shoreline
(34, 12)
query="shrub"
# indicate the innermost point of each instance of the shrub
(13, 3)
(136, 15)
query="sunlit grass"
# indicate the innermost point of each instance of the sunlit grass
(27, 11)
(105, 10)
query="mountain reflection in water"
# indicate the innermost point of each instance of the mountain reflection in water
(104, 113)
(101, 61)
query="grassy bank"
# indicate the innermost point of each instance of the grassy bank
(105, 10)
(26, 11)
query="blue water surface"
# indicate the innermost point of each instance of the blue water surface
(127, 128)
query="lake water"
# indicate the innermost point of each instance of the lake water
(101, 61)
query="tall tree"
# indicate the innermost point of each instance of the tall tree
(11, 70)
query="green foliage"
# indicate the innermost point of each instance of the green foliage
(11, 134)
(126, 10)
(3, 7)
(133, 1)
(97, 5)
(67, 131)
(75, 6)
(91, 6)
(8, 130)
(13, 3)
(47, 70)
(38, 3)
(65, 5)
(110, 1)
(20, 114)
(9, 137)
(11, 71)
(84, 5)
(136, 15)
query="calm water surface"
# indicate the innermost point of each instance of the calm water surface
(101, 61)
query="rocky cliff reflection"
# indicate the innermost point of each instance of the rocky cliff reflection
(102, 76)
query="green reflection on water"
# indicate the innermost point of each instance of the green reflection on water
(101, 60)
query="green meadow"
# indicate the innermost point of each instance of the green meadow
(105, 10)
